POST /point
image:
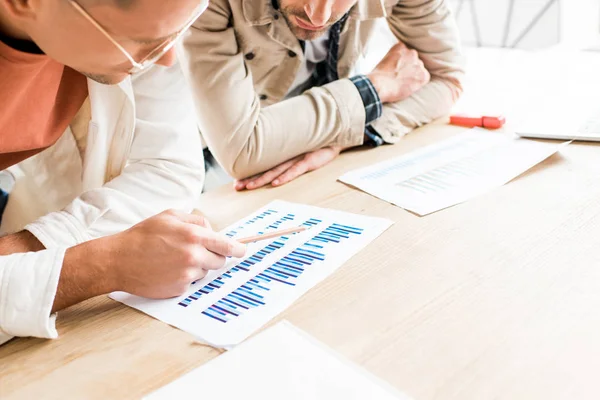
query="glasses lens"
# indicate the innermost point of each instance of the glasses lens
(161, 50)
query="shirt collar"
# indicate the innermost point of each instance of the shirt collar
(258, 12)
(368, 9)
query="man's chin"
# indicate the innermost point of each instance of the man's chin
(305, 34)
(112, 79)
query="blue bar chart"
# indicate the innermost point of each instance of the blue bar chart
(285, 271)
(246, 264)
(229, 305)
(265, 214)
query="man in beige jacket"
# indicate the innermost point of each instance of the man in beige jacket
(277, 85)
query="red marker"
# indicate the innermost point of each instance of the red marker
(483, 121)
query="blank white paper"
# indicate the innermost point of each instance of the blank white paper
(282, 362)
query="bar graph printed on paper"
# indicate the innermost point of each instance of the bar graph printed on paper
(450, 172)
(230, 304)
(286, 271)
(448, 176)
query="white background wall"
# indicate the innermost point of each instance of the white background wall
(580, 22)
(568, 22)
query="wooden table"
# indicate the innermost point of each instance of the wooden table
(496, 298)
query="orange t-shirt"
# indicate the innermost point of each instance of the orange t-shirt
(38, 99)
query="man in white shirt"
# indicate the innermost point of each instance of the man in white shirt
(92, 160)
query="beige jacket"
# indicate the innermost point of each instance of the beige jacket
(241, 58)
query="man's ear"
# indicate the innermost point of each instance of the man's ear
(21, 9)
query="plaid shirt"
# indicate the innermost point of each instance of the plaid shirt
(373, 108)
(326, 72)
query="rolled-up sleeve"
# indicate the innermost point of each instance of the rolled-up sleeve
(28, 284)
(427, 26)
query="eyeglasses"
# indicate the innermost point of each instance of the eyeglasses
(155, 54)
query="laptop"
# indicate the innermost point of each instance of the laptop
(568, 115)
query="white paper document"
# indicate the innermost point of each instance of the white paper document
(282, 362)
(229, 305)
(452, 171)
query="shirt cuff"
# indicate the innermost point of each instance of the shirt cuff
(350, 112)
(66, 228)
(28, 284)
(370, 98)
(372, 138)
